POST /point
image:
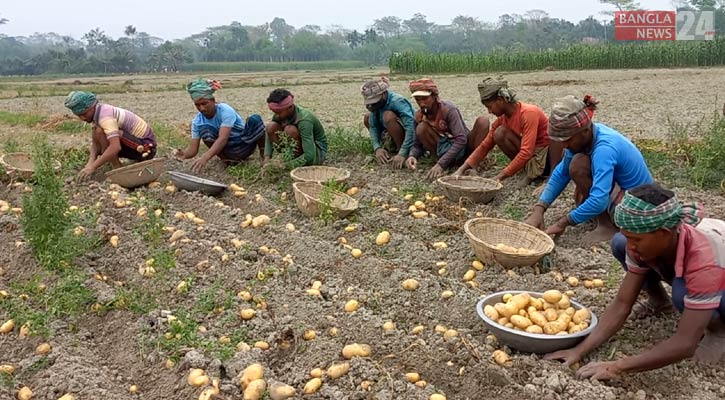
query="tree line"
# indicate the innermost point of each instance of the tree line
(277, 41)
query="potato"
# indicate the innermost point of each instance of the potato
(538, 318)
(506, 297)
(534, 329)
(550, 314)
(469, 275)
(490, 312)
(412, 377)
(25, 393)
(421, 384)
(177, 235)
(521, 300)
(564, 303)
(410, 284)
(309, 334)
(575, 329)
(247, 314)
(570, 311)
(440, 328)
(260, 221)
(356, 350)
(548, 305)
(447, 294)
(572, 281)
(351, 306)
(383, 238)
(552, 296)
(499, 309)
(67, 396)
(7, 369)
(502, 359)
(251, 373)
(523, 313)
(194, 374)
(537, 304)
(580, 316)
(352, 191)
(417, 329)
(356, 253)
(502, 321)
(510, 309)
(597, 283)
(43, 349)
(114, 241)
(255, 390)
(337, 370)
(317, 373)
(388, 326)
(7, 327)
(554, 327)
(280, 391)
(588, 284)
(450, 334)
(312, 386)
(436, 396)
(510, 325)
(477, 265)
(261, 345)
(419, 214)
(520, 322)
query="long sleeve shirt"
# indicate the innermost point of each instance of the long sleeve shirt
(448, 124)
(312, 136)
(403, 108)
(615, 159)
(530, 123)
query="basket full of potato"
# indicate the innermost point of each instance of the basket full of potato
(536, 322)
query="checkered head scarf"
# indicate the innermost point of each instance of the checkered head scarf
(568, 116)
(638, 216)
(491, 88)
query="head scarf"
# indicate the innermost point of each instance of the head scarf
(638, 216)
(423, 85)
(373, 89)
(282, 105)
(79, 102)
(490, 88)
(568, 116)
(591, 104)
(203, 88)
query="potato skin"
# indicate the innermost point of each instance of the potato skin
(581, 316)
(490, 311)
(552, 296)
(521, 322)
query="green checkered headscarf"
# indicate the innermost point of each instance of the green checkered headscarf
(78, 102)
(203, 88)
(638, 216)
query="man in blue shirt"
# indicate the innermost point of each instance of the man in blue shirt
(601, 162)
(391, 122)
(221, 129)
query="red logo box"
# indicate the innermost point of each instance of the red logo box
(645, 25)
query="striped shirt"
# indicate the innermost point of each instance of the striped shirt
(700, 261)
(115, 121)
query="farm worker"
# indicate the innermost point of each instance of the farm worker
(601, 162)
(117, 133)
(663, 239)
(390, 120)
(297, 126)
(220, 127)
(440, 129)
(520, 131)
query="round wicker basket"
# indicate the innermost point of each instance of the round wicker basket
(319, 174)
(307, 197)
(137, 174)
(473, 188)
(21, 166)
(502, 241)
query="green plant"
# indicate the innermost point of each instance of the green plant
(327, 199)
(246, 171)
(345, 142)
(513, 212)
(287, 147)
(11, 146)
(708, 169)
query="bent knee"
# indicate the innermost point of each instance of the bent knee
(580, 166)
(499, 135)
(389, 116)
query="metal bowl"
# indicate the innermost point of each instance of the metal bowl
(531, 342)
(196, 184)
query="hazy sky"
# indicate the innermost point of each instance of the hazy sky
(174, 19)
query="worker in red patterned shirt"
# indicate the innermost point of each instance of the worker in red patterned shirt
(662, 240)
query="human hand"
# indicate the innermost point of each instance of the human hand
(411, 163)
(435, 172)
(568, 356)
(601, 371)
(397, 161)
(86, 172)
(198, 164)
(382, 156)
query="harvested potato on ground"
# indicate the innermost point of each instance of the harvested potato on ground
(382, 238)
(25, 393)
(410, 284)
(597, 283)
(351, 306)
(7, 327)
(437, 396)
(356, 350)
(412, 377)
(251, 373)
(501, 358)
(337, 370)
(572, 281)
(280, 391)
(255, 389)
(312, 386)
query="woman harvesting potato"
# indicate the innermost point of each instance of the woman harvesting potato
(662, 239)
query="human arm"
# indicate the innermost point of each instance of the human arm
(215, 149)
(309, 147)
(603, 162)
(404, 110)
(529, 134)
(610, 322)
(556, 184)
(460, 137)
(114, 147)
(189, 152)
(479, 153)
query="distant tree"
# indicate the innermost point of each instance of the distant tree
(280, 30)
(354, 39)
(388, 26)
(621, 5)
(4, 21)
(418, 25)
(316, 29)
(466, 25)
(130, 31)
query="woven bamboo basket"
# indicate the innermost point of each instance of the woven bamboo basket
(319, 174)
(21, 166)
(307, 197)
(473, 188)
(137, 174)
(487, 234)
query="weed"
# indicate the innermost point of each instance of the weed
(134, 300)
(417, 189)
(513, 212)
(169, 136)
(344, 142)
(246, 171)
(11, 146)
(327, 200)
(614, 275)
(11, 118)
(708, 170)
(287, 148)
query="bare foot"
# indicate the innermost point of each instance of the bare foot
(711, 349)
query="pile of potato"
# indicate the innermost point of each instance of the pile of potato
(552, 314)
(515, 250)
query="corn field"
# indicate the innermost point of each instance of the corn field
(607, 56)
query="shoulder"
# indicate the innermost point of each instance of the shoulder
(531, 111)
(225, 109)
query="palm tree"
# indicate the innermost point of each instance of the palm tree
(4, 21)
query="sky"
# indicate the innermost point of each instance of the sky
(176, 19)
